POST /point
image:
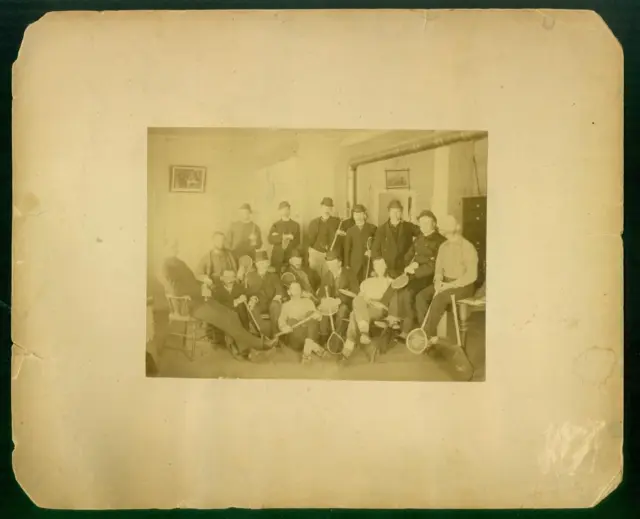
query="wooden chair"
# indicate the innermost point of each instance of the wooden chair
(461, 310)
(179, 313)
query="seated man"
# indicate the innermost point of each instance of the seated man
(456, 272)
(420, 260)
(305, 336)
(216, 261)
(376, 301)
(179, 280)
(265, 294)
(305, 277)
(230, 293)
(334, 278)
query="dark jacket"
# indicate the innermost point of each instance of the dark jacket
(329, 286)
(280, 255)
(238, 239)
(306, 277)
(391, 249)
(226, 298)
(424, 251)
(321, 241)
(179, 280)
(212, 265)
(355, 245)
(264, 288)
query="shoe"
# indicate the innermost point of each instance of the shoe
(381, 324)
(260, 355)
(365, 339)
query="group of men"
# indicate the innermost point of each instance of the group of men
(349, 263)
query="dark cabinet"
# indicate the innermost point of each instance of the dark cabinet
(474, 229)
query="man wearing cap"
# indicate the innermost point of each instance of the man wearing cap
(320, 235)
(179, 281)
(301, 336)
(393, 239)
(420, 261)
(217, 260)
(307, 278)
(335, 278)
(284, 235)
(244, 236)
(265, 294)
(358, 243)
(456, 271)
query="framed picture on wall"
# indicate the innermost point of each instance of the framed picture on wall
(397, 178)
(187, 179)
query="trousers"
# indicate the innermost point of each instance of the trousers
(273, 308)
(338, 321)
(437, 304)
(309, 330)
(317, 260)
(361, 316)
(228, 321)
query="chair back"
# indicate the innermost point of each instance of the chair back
(179, 305)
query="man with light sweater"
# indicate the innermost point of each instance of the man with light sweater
(456, 272)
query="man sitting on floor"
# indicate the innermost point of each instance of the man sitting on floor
(179, 280)
(265, 294)
(304, 336)
(305, 276)
(456, 272)
(377, 301)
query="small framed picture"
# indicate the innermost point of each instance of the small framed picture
(397, 178)
(188, 179)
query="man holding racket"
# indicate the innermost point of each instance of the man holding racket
(393, 239)
(284, 235)
(421, 261)
(299, 319)
(358, 243)
(456, 271)
(179, 280)
(334, 279)
(244, 235)
(320, 235)
(373, 302)
(265, 294)
(231, 294)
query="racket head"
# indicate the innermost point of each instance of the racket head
(417, 341)
(335, 344)
(287, 278)
(400, 282)
(329, 306)
(245, 262)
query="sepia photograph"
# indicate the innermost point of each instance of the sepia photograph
(311, 255)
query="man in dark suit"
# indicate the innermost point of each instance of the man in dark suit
(320, 235)
(334, 278)
(307, 278)
(357, 255)
(393, 239)
(284, 235)
(230, 293)
(265, 294)
(244, 236)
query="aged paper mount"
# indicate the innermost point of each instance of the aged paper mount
(545, 427)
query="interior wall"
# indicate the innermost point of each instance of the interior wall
(371, 182)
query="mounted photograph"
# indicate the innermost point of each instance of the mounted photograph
(317, 254)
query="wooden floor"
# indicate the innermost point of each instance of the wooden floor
(398, 364)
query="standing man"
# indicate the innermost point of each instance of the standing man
(356, 253)
(456, 271)
(334, 278)
(303, 337)
(393, 239)
(244, 235)
(421, 263)
(216, 261)
(265, 294)
(320, 235)
(284, 235)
